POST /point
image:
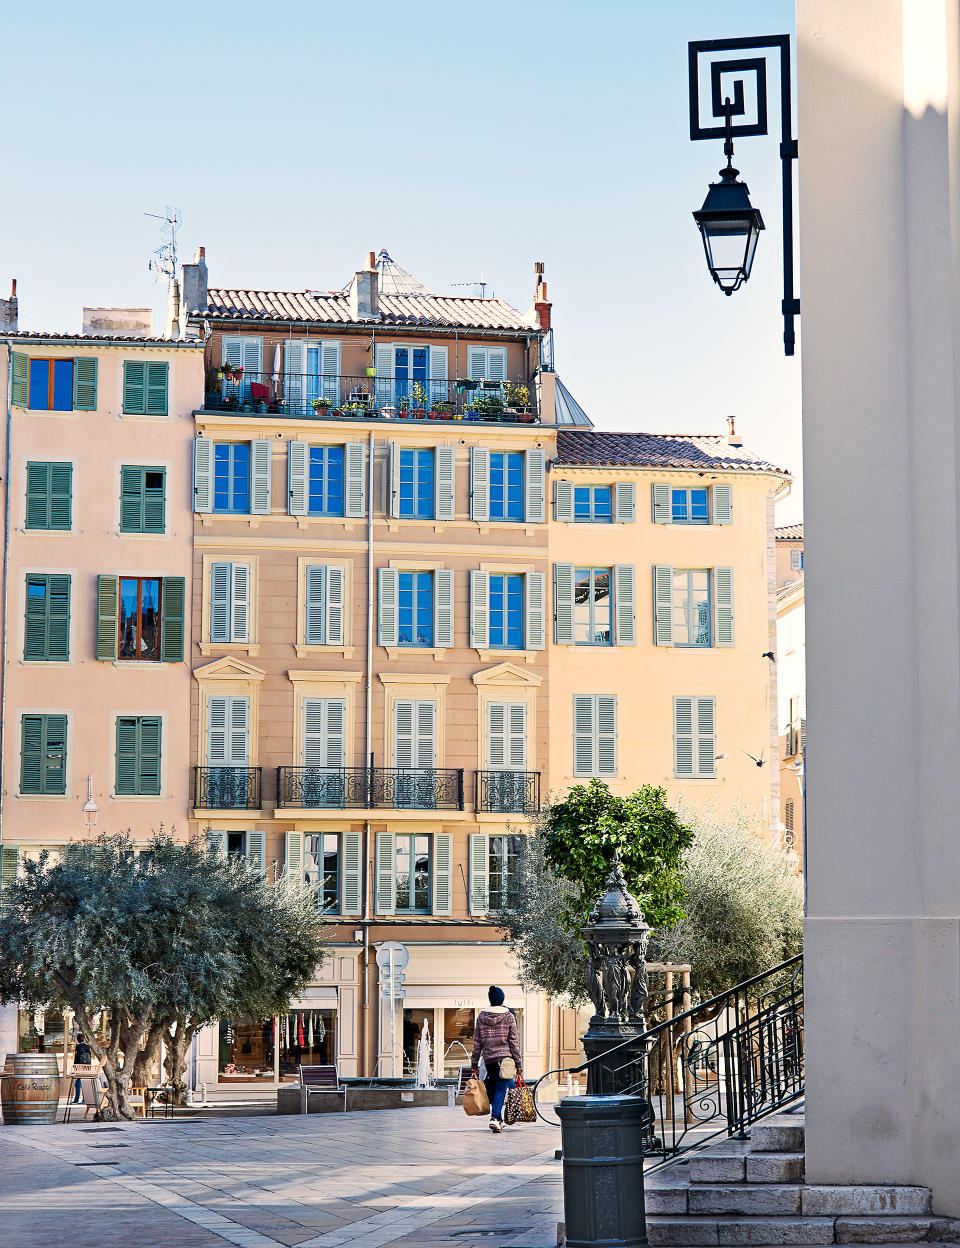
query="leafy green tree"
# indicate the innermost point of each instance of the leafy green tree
(160, 943)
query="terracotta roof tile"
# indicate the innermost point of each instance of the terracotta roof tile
(789, 533)
(656, 450)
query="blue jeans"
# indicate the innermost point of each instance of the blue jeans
(497, 1088)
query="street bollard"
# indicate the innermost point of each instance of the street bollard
(603, 1201)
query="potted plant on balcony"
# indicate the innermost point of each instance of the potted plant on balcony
(442, 410)
(466, 383)
(321, 406)
(418, 401)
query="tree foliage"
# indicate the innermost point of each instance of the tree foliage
(161, 943)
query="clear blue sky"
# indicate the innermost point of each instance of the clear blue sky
(467, 141)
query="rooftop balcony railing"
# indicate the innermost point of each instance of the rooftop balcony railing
(365, 788)
(387, 398)
(226, 788)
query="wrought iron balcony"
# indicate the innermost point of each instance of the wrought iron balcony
(226, 788)
(364, 788)
(389, 398)
(508, 792)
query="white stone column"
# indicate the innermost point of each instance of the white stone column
(880, 244)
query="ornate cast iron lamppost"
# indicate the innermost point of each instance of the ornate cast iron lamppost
(729, 225)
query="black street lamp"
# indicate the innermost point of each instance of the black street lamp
(729, 224)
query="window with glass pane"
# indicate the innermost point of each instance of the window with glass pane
(690, 506)
(139, 618)
(591, 607)
(410, 370)
(506, 485)
(416, 484)
(321, 865)
(415, 609)
(506, 612)
(413, 874)
(691, 607)
(51, 385)
(505, 871)
(231, 477)
(593, 503)
(325, 484)
(236, 845)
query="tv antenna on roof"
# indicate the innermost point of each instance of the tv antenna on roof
(479, 288)
(164, 259)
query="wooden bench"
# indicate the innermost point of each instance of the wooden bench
(320, 1079)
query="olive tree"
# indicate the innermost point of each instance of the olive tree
(159, 943)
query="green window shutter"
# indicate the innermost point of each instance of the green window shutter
(148, 762)
(624, 502)
(61, 497)
(260, 457)
(20, 369)
(54, 754)
(85, 383)
(443, 873)
(535, 584)
(662, 605)
(315, 624)
(683, 753)
(351, 889)
(38, 495)
(563, 500)
(535, 463)
(563, 604)
(172, 621)
(443, 608)
(389, 581)
(297, 453)
(723, 598)
(722, 504)
(293, 858)
(479, 894)
(31, 753)
(154, 500)
(9, 866)
(660, 502)
(35, 619)
(583, 752)
(335, 606)
(256, 851)
(444, 501)
(355, 489)
(134, 387)
(58, 618)
(126, 756)
(480, 610)
(157, 374)
(131, 498)
(479, 483)
(202, 475)
(386, 873)
(624, 596)
(108, 594)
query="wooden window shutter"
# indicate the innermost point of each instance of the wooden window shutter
(476, 363)
(625, 604)
(683, 753)
(445, 481)
(132, 485)
(496, 363)
(386, 901)
(605, 719)
(442, 873)
(496, 735)
(660, 503)
(238, 731)
(788, 814)
(426, 739)
(706, 737)
(722, 503)
(662, 605)
(256, 851)
(336, 732)
(53, 758)
(172, 630)
(260, 456)
(293, 374)
(403, 736)
(58, 625)
(9, 866)
(563, 604)
(315, 631)
(38, 495)
(330, 359)
(384, 367)
(479, 483)
(389, 581)
(202, 475)
(516, 738)
(297, 456)
(355, 489)
(583, 735)
(108, 593)
(293, 858)
(220, 593)
(535, 586)
(479, 873)
(31, 753)
(19, 387)
(217, 731)
(624, 502)
(134, 387)
(157, 377)
(314, 732)
(216, 843)
(61, 496)
(252, 357)
(443, 608)
(394, 479)
(480, 610)
(240, 602)
(150, 730)
(351, 888)
(46, 625)
(335, 606)
(85, 383)
(154, 501)
(536, 488)
(35, 619)
(438, 375)
(563, 500)
(723, 600)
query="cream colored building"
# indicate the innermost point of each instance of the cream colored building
(791, 682)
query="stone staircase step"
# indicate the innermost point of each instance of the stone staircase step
(718, 1168)
(774, 1167)
(885, 1230)
(754, 1199)
(707, 1232)
(821, 1200)
(776, 1137)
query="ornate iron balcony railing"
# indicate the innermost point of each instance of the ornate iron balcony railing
(364, 788)
(226, 788)
(508, 792)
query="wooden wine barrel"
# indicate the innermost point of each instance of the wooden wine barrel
(30, 1089)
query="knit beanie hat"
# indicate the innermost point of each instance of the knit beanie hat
(495, 996)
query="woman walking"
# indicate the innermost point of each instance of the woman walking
(495, 1039)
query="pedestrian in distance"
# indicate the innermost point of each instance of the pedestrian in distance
(81, 1057)
(495, 1039)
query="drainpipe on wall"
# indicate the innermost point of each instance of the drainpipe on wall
(368, 754)
(6, 561)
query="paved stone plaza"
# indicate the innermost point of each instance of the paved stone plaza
(412, 1178)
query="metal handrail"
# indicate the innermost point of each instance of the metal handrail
(367, 788)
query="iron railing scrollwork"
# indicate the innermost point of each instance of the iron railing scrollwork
(508, 792)
(226, 788)
(364, 788)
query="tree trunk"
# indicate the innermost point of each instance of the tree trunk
(149, 1055)
(177, 1039)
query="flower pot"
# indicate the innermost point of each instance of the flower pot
(371, 372)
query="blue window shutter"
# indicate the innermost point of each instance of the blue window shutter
(18, 396)
(108, 594)
(156, 382)
(624, 502)
(355, 488)
(535, 492)
(660, 503)
(563, 500)
(479, 483)
(202, 475)
(85, 384)
(260, 456)
(134, 387)
(172, 619)
(444, 483)
(722, 503)
(563, 603)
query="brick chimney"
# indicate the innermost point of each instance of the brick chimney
(9, 310)
(364, 293)
(733, 438)
(541, 304)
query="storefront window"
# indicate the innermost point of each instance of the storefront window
(457, 1039)
(40, 1031)
(307, 1037)
(412, 1026)
(246, 1049)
